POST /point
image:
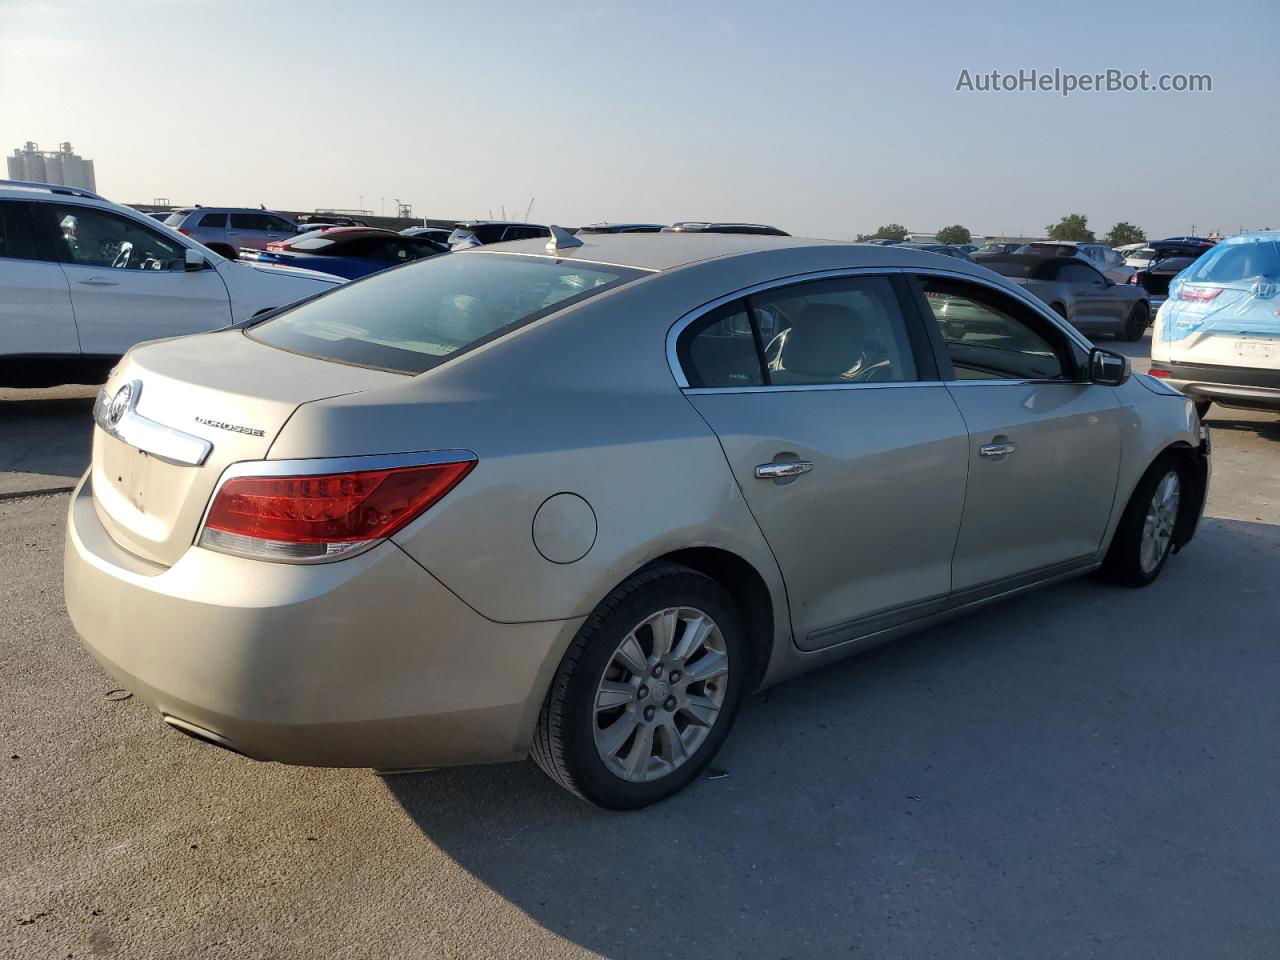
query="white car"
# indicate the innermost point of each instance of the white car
(1106, 260)
(83, 279)
(1136, 255)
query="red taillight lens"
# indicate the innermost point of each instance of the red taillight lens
(184, 231)
(323, 516)
(1198, 294)
(1156, 372)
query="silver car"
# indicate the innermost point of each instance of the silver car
(1082, 296)
(225, 230)
(577, 502)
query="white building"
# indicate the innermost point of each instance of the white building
(61, 166)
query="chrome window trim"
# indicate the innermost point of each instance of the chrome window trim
(674, 331)
(320, 465)
(153, 438)
(811, 387)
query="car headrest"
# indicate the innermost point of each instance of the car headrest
(825, 340)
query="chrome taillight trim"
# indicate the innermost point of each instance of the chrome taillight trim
(272, 551)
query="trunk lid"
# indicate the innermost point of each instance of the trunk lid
(223, 388)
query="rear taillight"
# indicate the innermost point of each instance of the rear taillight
(1198, 294)
(1133, 278)
(1157, 372)
(311, 517)
(184, 231)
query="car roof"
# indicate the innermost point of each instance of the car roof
(1029, 259)
(498, 223)
(671, 251)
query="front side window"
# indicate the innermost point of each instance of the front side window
(1079, 273)
(99, 238)
(415, 319)
(989, 337)
(17, 239)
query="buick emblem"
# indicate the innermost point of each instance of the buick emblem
(119, 404)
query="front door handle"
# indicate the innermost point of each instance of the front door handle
(780, 469)
(99, 282)
(997, 449)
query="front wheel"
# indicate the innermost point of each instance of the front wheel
(1139, 319)
(1144, 538)
(647, 691)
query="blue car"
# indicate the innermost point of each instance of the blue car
(349, 252)
(1217, 337)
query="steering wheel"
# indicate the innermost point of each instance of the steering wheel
(122, 257)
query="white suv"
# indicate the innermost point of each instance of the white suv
(83, 279)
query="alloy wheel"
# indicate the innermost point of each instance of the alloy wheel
(661, 694)
(1162, 515)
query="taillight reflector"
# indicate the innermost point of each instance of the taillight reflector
(323, 516)
(1199, 294)
(184, 231)
(1156, 372)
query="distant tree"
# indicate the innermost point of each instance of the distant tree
(1123, 233)
(1074, 226)
(955, 235)
(892, 231)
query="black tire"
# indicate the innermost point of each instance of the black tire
(1123, 563)
(1135, 328)
(1202, 408)
(564, 744)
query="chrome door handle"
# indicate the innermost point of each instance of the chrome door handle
(99, 282)
(780, 469)
(997, 449)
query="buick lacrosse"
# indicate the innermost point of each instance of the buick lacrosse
(576, 498)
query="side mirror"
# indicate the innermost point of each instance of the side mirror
(1107, 368)
(194, 260)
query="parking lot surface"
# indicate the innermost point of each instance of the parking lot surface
(1084, 771)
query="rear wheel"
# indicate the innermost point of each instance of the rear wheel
(1139, 319)
(647, 691)
(1144, 538)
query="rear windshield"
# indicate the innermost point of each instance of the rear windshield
(413, 319)
(1235, 262)
(1018, 269)
(175, 218)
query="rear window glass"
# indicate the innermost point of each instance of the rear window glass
(414, 319)
(175, 219)
(1234, 262)
(312, 244)
(1019, 269)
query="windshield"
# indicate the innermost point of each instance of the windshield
(414, 319)
(1236, 262)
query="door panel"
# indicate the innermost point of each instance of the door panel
(35, 310)
(117, 308)
(873, 525)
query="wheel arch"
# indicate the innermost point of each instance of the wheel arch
(748, 590)
(1196, 470)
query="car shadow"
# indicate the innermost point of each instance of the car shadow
(46, 432)
(1066, 772)
(1263, 424)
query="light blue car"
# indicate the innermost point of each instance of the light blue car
(1217, 337)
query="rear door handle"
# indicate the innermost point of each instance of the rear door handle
(780, 469)
(997, 449)
(99, 282)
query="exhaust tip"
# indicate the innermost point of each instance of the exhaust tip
(205, 736)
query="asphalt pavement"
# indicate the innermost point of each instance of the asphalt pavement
(1084, 771)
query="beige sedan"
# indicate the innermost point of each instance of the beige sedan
(576, 499)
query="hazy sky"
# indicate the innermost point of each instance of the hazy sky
(825, 118)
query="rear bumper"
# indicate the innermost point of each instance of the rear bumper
(367, 662)
(1247, 387)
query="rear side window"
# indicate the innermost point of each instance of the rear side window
(1078, 273)
(845, 330)
(17, 239)
(251, 221)
(414, 319)
(218, 220)
(991, 338)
